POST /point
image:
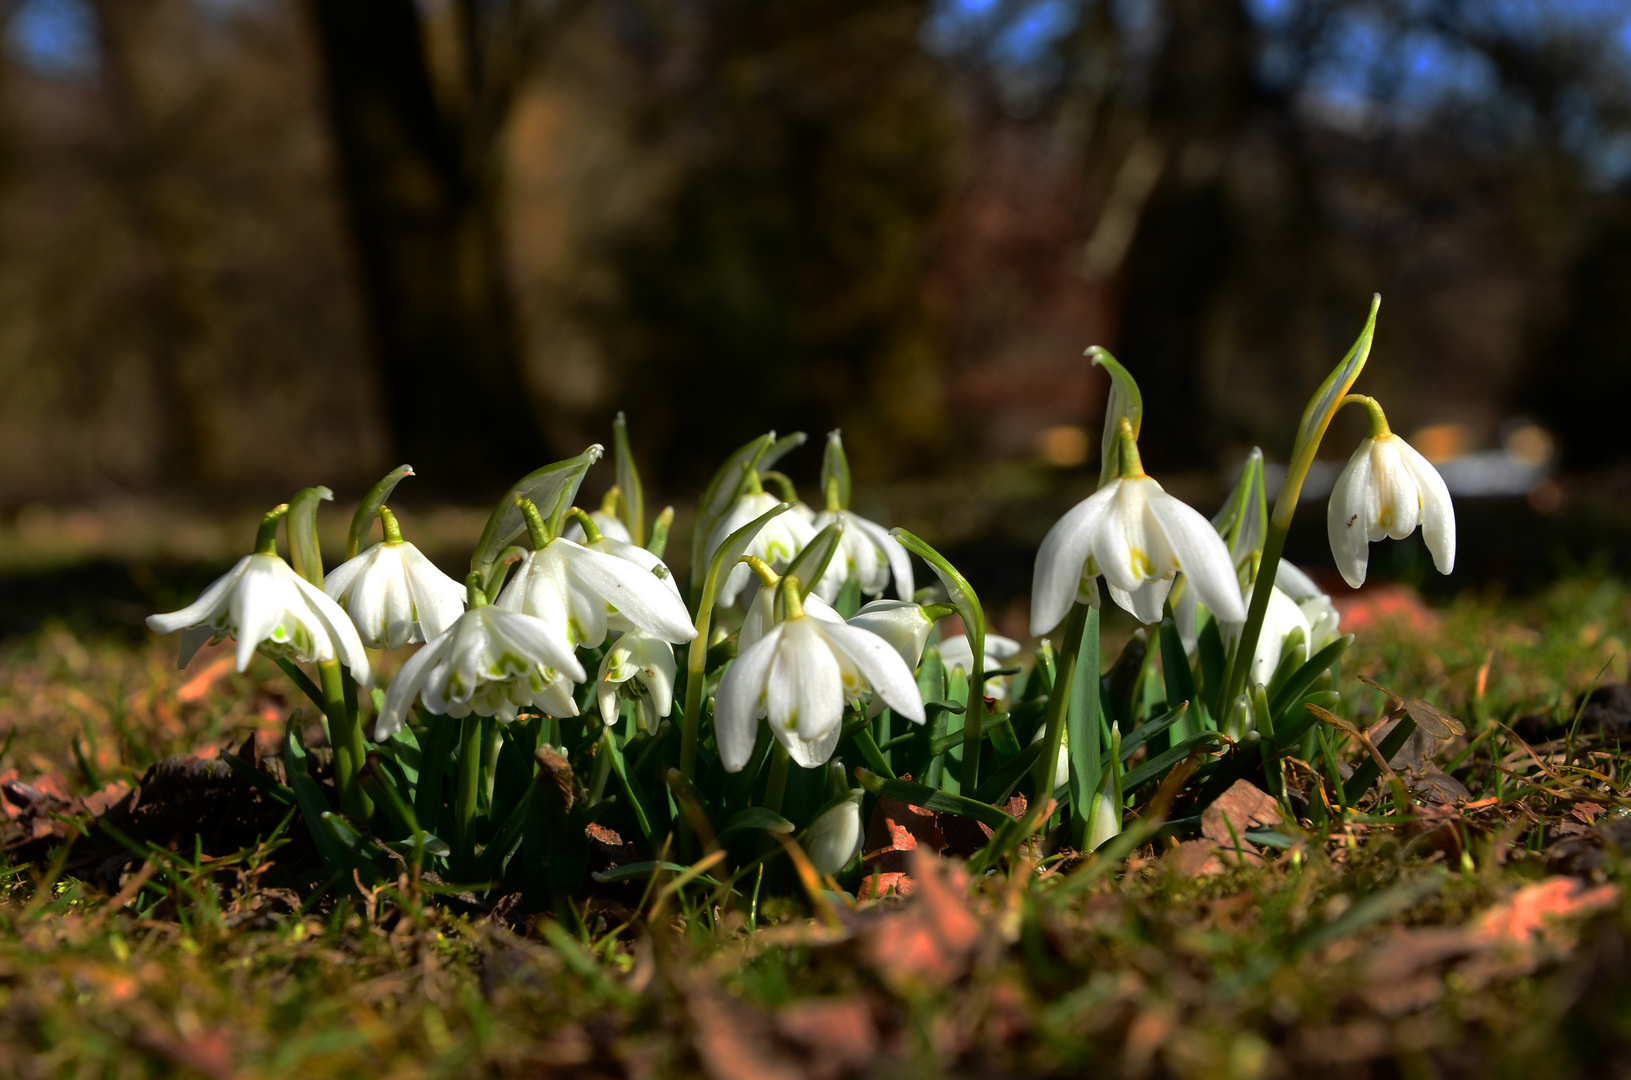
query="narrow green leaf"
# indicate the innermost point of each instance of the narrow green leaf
(628, 482)
(1157, 767)
(304, 553)
(835, 466)
(1084, 741)
(941, 802)
(755, 818)
(813, 558)
(1125, 401)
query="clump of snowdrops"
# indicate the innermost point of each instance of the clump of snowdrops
(750, 713)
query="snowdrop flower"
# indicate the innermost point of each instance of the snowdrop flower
(490, 663)
(865, 551)
(902, 623)
(835, 836)
(781, 538)
(264, 604)
(956, 652)
(1139, 538)
(394, 595)
(1387, 489)
(582, 592)
(1322, 615)
(800, 674)
(1282, 617)
(643, 667)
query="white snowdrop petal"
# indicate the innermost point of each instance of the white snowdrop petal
(1437, 512)
(208, 605)
(438, 600)
(1345, 520)
(1062, 557)
(885, 672)
(736, 703)
(1399, 506)
(805, 689)
(1202, 555)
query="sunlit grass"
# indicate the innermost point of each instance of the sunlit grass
(210, 966)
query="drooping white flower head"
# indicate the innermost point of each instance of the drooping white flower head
(582, 593)
(490, 662)
(1323, 618)
(1387, 489)
(643, 668)
(777, 541)
(1139, 538)
(902, 623)
(835, 836)
(865, 551)
(800, 673)
(393, 594)
(264, 604)
(956, 652)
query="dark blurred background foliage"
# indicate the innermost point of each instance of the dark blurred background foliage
(249, 245)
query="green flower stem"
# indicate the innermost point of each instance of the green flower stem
(1058, 706)
(1373, 412)
(766, 573)
(783, 483)
(466, 795)
(537, 531)
(345, 732)
(388, 523)
(1322, 408)
(591, 531)
(266, 538)
(776, 781)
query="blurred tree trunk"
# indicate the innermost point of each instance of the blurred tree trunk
(1185, 242)
(148, 68)
(426, 226)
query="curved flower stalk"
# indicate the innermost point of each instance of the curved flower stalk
(776, 543)
(263, 604)
(490, 662)
(800, 674)
(761, 616)
(641, 667)
(903, 623)
(607, 521)
(1139, 538)
(580, 592)
(1386, 490)
(835, 836)
(393, 594)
